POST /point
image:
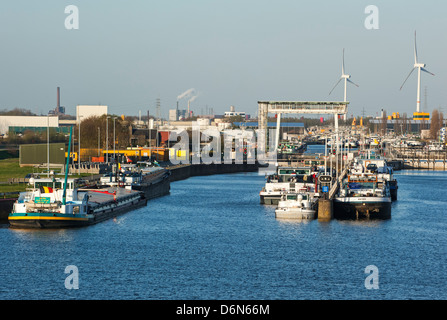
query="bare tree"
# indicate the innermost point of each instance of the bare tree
(405, 120)
(441, 120)
(384, 122)
(90, 134)
(435, 124)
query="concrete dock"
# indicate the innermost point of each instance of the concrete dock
(186, 171)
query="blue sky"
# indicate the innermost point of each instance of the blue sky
(126, 54)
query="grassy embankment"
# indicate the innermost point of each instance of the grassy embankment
(10, 168)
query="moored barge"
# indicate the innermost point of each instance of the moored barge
(152, 180)
(53, 204)
(287, 179)
(363, 196)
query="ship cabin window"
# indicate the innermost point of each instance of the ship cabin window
(314, 162)
(360, 185)
(54, 185)
(23, 197)
(286, 175)
(295, 197)
(48, 184)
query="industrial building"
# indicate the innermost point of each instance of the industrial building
(173, 115)
(286, 127)
(399, 126)
(59, 109)
(19, 124)
(176, 114)
(233, 113)
(86, 111)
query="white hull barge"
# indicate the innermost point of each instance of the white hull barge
(287, 179)
(296, 206)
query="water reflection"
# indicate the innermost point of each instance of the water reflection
(42, 234)
(286, 221)
(364, 223)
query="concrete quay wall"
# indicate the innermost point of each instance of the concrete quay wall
(186, 171)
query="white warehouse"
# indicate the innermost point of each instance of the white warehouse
(27, 122)
(86, 111)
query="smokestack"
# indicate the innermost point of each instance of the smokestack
(58, 101)
(188, 109)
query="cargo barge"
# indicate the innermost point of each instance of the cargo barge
(152, 180)
(67, 203)
(363, 196)
(372, 163)
(55, 203)
(287, 179)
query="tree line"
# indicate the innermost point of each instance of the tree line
(437, 122)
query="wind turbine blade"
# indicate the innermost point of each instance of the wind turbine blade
(415, 50)
(352, 82)
(425, 70)
(335, 85)
(343, 63)
(407, 78)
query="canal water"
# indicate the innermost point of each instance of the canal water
(211, 239)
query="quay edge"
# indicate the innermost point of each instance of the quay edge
(182, 172)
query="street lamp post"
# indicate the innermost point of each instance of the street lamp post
(325, 155)
(107, 139)
(330, 157)
(79, 146)
(342, 145)
(99, 139)
(48, 145)
(114, 139)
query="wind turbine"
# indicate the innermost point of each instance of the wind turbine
(346, 78)
(420, 67)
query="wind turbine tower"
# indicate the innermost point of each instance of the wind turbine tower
(346, 78)
(418, 115)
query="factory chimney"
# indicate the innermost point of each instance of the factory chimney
(58, 101)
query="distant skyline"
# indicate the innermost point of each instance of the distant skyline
(128, 54)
